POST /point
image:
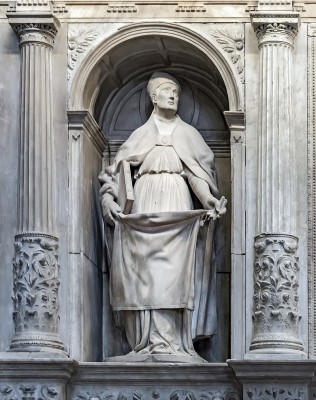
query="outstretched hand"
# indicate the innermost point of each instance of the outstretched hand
(217, 208)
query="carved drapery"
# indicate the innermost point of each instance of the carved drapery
(276, 279)
(35, 265)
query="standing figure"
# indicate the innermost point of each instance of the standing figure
(162, 278)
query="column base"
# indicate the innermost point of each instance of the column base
(37, 343)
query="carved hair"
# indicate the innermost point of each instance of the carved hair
(159, 78)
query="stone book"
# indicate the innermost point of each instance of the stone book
(126, 191)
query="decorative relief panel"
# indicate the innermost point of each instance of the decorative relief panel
(28, 392)
(312, 188)
(161, 393)
(278, 393)
(83, 38)
(78, 42)
(232, 42)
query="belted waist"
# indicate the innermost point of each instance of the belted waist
(164, 171)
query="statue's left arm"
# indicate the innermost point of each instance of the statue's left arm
(202, 191)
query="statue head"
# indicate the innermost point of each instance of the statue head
(164, 91)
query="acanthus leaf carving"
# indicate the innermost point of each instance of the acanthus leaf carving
(278, 393)
(79, 42)
(35, 290)
(276, 286)
(233, 44)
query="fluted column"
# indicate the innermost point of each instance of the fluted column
(276, 266)
(35, 265)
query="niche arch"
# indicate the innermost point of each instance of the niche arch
(106, 82)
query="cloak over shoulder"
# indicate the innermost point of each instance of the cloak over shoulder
(187, 142)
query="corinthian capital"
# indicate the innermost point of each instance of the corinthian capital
(275, 28)
(38, 28)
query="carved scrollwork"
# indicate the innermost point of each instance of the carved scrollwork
(233, 44)
(276, 289)
(78, 43)
(35, 288)
(28, 392)
(275, 393)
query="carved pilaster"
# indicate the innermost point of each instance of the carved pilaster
(35, 263)
(276, 280)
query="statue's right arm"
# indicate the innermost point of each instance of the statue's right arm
(109, 195)
(110, 209)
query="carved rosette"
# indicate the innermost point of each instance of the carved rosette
(275, 297)
(35, 292)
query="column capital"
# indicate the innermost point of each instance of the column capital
(40, 28)
(275, 27)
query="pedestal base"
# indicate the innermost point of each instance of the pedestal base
(156, 358)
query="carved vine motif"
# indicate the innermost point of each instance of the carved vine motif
(35, 290)
(233, 44)
(275, 393)
(78, 43)
(28, 392)
(276, 284)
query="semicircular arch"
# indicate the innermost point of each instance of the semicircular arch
(82, 97)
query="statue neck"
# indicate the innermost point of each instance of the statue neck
(165, 115)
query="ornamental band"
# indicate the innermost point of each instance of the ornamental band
(162, 275)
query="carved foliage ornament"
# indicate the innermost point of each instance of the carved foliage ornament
(233, 44)
(36, 33)
(35, 290)
(276, 290)
(275, 393)
(78, 43)
(178, 394)
(276, 33)
(28, 392)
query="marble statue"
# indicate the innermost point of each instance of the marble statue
(162, 278)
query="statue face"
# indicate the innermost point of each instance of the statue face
(167, 97)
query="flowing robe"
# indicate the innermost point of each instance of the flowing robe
(161, 269)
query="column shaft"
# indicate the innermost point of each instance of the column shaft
(276, 267)
(36, 211)
(35, 265)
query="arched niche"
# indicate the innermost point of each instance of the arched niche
(111, 86)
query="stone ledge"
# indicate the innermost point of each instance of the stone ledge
(290, 371)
